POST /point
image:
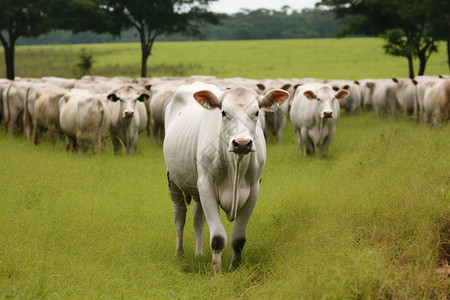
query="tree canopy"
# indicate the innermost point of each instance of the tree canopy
(406, 25)
(154, 18)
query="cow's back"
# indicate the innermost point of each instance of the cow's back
(190, 129)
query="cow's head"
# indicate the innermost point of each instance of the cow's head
(128, 98)
(240, 109)
(324, 97)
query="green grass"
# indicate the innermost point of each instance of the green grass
(365, 221)
(368, 220)
(349, 58)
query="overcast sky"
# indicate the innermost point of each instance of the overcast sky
(233, 6)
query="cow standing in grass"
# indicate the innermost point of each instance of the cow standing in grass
(128, 117)
(314, 112)
(215, 152)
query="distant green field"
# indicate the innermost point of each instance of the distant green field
(349, 58)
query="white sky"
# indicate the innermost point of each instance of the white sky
(233, 6)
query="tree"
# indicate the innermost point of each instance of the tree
(404, 24)
(440, 22)
(154, 18)
(18, 18)
(31, 18)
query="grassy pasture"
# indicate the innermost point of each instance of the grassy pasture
(350, 58)
(368, 220)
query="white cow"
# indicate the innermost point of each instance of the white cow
(16, 105)
(128, 117)
(314, 112)
(161, 95)
(84, 119)
(406, 95)
(215, 152)
(437, 102)
(275, 121)
(353, 101)
(384, 97)
(423, 83)
(46, 112)
(4, 84)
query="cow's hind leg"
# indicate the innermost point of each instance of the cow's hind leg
(179, 212)
(199, 224)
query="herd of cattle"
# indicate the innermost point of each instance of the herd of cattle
(213, 130)
(88, 110)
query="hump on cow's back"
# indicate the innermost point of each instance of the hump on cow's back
(184, 95)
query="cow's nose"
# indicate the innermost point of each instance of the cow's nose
(327, 114)
(242, 146)
(129, 114)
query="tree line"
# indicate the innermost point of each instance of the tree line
(244, 25)
(410, 28)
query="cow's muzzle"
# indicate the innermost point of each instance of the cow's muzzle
(327, 114)
(242, 146)
(128, 114)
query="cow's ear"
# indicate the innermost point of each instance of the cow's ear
(261, 87)
(143, 97)
(113, 97)
(286, 86)
(207, 99)
(342, 94)
(310, 95)
(273, 99)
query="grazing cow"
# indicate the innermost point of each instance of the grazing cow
(384, 97)
(162, 93)
(314, 112)
(16, 104)
(406, 95)
(275, 121)
(437, 102)
(423, 83)
(4, 84)
(215, 152)
(128, 117)
(84, 120)
(353, 101)
(46, 112)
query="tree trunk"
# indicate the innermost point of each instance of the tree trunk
(9, 57)
(145, 55)
(410, 66)
(422, 62)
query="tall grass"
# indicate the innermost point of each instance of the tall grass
(367, 220)
(349, 58)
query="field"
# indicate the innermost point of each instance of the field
(355, 58)
(369, 220)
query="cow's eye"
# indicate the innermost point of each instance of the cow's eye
(223, 114)
(257, 113)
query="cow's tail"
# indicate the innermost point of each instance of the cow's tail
(27, 115)
(103, 125)
(6, 105)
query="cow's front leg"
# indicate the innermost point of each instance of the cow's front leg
(218, 235)
(239, 233)
(179, 212)
(199, 224)
(327, 141)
